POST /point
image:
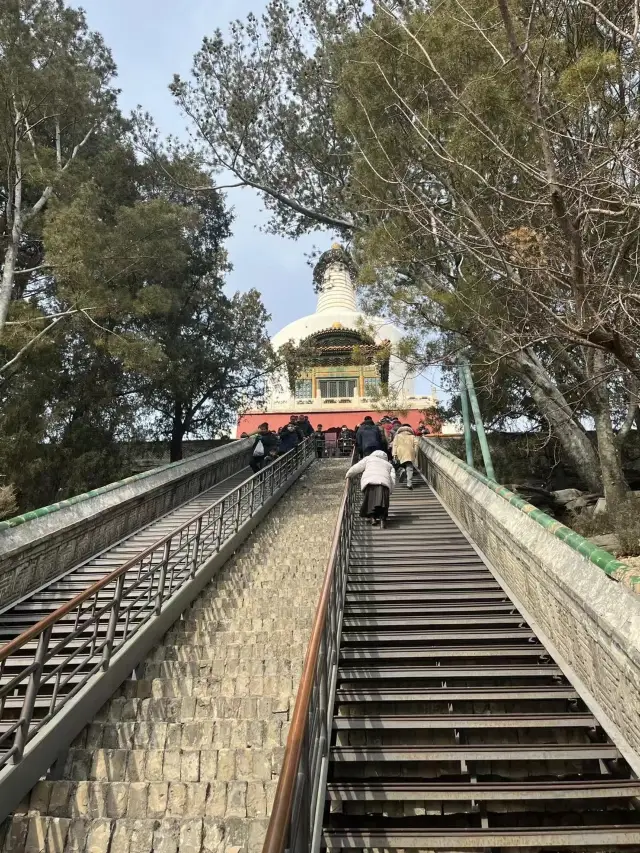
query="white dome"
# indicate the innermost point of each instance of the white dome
(300, 329)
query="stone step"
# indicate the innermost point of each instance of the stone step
(274, 557)
(155, 800)
(247, 622)
(272, 573)
(243, 685)
(279, 639)
(173, 765)
(176, 710)
(27, 834)
(190, 734)
(225, 613)
(250, 591)
(230, 652)
(261, 568)
(250, 618)
(206, 637)
(221, 668)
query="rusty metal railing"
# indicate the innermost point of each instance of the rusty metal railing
(296, 817)
(43, 668)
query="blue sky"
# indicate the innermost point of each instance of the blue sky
(153, 39)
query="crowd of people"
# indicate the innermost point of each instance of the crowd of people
(341, 441)
(384, 448)
(386, 451)
(268, 445)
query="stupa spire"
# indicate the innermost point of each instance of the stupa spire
(333, 275)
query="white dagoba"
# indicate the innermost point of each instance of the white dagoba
(337, 309)
(335, 391)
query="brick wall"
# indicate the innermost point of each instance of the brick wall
(45, 547)
(590, 623)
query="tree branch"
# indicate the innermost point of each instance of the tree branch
(33, 340)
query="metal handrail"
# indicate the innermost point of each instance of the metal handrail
(50, 662)
(296, 817)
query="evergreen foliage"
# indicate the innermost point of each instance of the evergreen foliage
(479, 158)
(114, 321)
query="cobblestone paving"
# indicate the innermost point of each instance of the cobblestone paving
(185, 759)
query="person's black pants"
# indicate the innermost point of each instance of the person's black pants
(256, 463)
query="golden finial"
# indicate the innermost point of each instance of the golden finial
(336, 246)
(336, 325)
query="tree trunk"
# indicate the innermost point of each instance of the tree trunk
(552, 404)
(8, 275)
(14, 217)
(575, 442)
(616, 490)
(615, 486)
(177, 434)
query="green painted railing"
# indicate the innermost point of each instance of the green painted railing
(9, 523)
(605, 561)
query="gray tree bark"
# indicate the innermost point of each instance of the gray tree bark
(552, 404)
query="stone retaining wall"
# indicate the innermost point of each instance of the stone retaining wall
(43, 548)
(590, 623)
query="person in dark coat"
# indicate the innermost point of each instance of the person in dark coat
(396, 423)
(289, 439)
(293, 419)
(320, 441)
(304, 424)
(345, 441)
(369, 438)
(264, 448)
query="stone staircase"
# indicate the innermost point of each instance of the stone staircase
(185, 758)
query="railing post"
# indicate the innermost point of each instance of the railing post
(237, 511)
(162, 580)
(475, 408)
(114, 618)
(220, 525)
(323, 699)
(466, 417)
(259, 487)
(22, 733)
(304, 782)
(194, 562)
(253, 497)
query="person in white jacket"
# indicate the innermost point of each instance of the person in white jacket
(378, 481)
